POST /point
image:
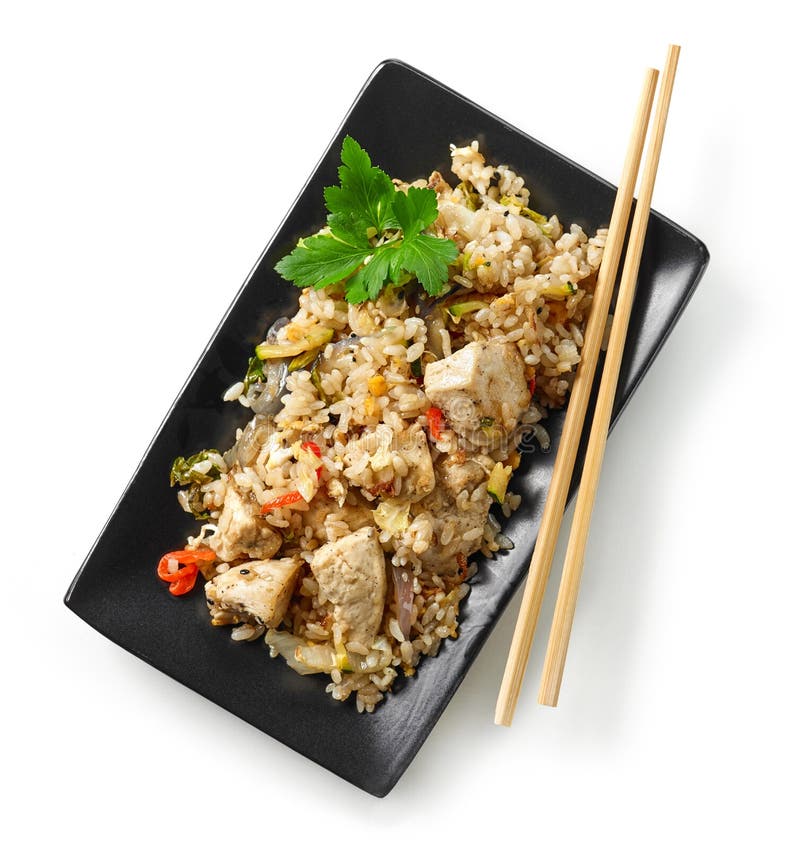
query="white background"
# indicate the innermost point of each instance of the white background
(148, 151)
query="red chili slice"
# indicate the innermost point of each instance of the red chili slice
(435, 422)
(183, 579)
(282, 501)
(185, 583)
(316, 451)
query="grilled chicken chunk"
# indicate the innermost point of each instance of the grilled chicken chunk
(414, 451)
(356, 515)
(481, 389)
(438, 183)
(351, 572)
(457, 472)
(257, 591)
(241, 531)
(383, 445)
(452, 521)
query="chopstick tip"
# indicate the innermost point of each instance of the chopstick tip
(503, 717)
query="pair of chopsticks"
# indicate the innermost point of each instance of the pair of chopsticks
(541, 561)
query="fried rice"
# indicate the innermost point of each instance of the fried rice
(360, 545)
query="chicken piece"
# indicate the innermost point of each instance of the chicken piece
(241, 530)
(412, 446)
(351, 572)
(257, 591)
(453, 520)
(438, 183)
(481, 389)
(457, 472)
(356, 515)
(382, 445)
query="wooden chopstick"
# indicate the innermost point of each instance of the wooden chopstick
(558, 643)
(576, 411)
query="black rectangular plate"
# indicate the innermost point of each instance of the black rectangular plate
(406, 121)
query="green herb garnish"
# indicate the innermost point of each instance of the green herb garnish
(255, 374)
(374, 235)
(303, 360)
(456, 311)
(316, 380)
(184, 469)
(471, 198)
(194, 500)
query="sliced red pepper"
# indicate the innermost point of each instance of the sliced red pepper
(187, 557)
(186, 583)
(294, 496)
(532, 384)
(316, 451)
(282, 501)
(183, 579)
(435, 422)
(171, 577)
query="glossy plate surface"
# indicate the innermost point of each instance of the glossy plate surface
(406, 121)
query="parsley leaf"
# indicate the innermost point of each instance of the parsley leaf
(367, 283)
(320, 261)
(416, 210)
(427, 258)
(374, 235)
(365, 196)
(183, 469)
(255, 373)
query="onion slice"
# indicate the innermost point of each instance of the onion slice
(404, 598)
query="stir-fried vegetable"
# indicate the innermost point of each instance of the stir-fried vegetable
(179, 568)
(254, 374)
(304, 359)
(307, 658)
(306, 487)
(316, 380)
(193, 472)
(264, 380)
(435, 422)
(462, 308)
(317, 452)
(282, 501)
(559, 291)
(254, 436)
(377, 385)
(391, 515)
(309, 469)
(286, 645)
(472, 200)
(264, 395)
(200, 468)
(315, 338)
(498, 482)
(404, 598)
(541, 221)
